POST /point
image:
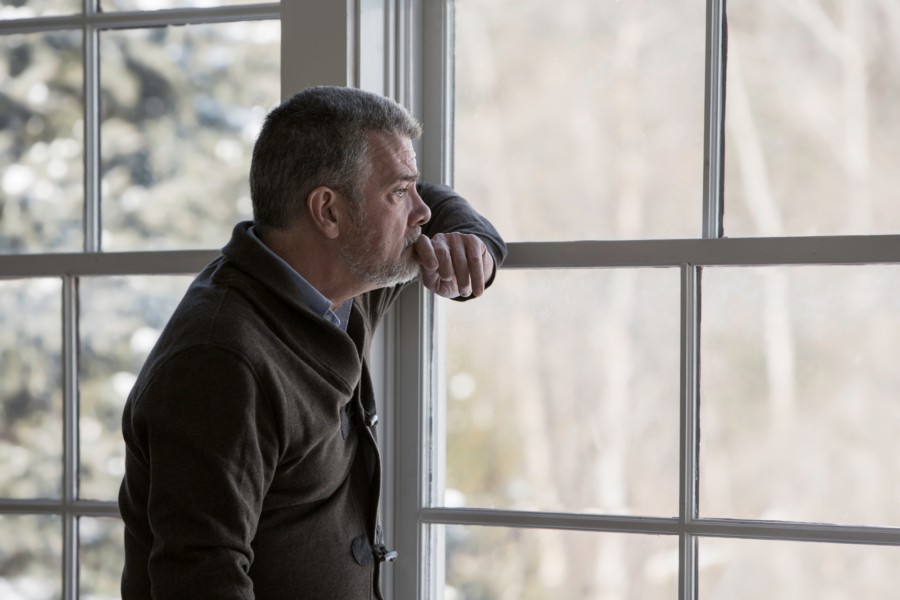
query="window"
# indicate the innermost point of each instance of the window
(520, 457)
(568, 443)
(113, 116)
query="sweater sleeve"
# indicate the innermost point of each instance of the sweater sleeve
(451, 213)
(209, 442)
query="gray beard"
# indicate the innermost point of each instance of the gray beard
(359, 254)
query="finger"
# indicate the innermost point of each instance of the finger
(488, 262)
(459, 254)
(430, 279)
(475, 249)
(425, 252)
(445, 261)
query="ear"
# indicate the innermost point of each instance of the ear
(326, 209)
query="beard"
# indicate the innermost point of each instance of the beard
(362, 250)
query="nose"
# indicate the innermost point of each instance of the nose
(420, 213)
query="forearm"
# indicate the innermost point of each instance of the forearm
(451, 213)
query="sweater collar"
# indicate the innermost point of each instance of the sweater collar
(314, 299)
(255, 261)
(262, 265)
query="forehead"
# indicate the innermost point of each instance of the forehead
(392, 156)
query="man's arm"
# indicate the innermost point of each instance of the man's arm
(205, 441)
(460, 250)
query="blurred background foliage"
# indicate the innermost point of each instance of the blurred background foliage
(25, 9)
(31, 388)
(180, 110)
(110, 5)
(522, 570)
(30, 557)
(41, 131)
(584, 121)
(101, 558)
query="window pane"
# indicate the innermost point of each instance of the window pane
(811, 119)
(799, 393)
(41, 131)
(562, 393)
(121, 318)
(110, 5)
(101, 557)
(581, 119)
(31, 557)
(24, 9)
(31, 388)
(497, 562)
(181, 110)
(739, 569)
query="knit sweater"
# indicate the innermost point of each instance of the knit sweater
(246, 472)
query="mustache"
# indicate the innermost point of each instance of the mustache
(412, 237)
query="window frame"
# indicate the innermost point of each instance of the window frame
(420, 405)
(92, 261)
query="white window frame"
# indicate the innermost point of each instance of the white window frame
(414, 332)
(92, 261)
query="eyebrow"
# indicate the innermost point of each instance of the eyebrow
(408, 176)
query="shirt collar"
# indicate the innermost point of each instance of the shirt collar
(318, 303)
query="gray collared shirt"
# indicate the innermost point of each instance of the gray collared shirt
(318, 303)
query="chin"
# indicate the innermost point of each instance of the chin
(362, 259)
(400, 272)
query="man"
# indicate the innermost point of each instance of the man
(252, 468)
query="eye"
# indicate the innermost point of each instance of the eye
(402, 191)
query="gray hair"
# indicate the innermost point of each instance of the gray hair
(318, 137)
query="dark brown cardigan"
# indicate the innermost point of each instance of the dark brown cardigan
(243, 477)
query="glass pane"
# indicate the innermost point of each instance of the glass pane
(497, 563)
(101, 557)
(31, 557)
(24, 9)
(31, 388)
(799, 393)
(41, 131)
(121, 318)
(110, 5)
(562, 393)
(181, 110)
(581, 119)
(736, 569)
(812, 128)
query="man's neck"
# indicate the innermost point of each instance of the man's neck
(316, 261)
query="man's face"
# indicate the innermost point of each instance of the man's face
(387, 221)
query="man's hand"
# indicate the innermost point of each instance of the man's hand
(454, 264)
